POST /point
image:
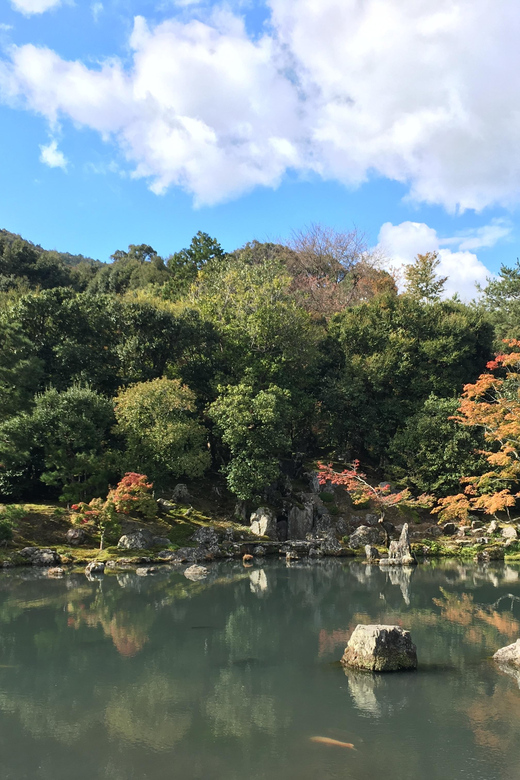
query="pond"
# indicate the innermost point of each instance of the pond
(134, 678)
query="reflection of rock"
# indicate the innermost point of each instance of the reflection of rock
(510, 575)
(128, 580)
(400, 553)
(258, 582)
(381, 649)
(361, 686)
(401, 575)
(196, 572)
(55, 571)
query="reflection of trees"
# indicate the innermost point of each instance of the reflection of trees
(461, 609)
(221, 682)
(236, 710)
(151, 713)
(127, 629)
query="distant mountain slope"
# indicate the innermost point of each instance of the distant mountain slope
(64, 257)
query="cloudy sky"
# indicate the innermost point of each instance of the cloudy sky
(140, 121)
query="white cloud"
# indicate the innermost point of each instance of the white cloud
(97, 10)
(50, 155)
(5, 27)
(29, 7)
(401, 243)
(419, 92)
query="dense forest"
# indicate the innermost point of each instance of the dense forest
(239, 362)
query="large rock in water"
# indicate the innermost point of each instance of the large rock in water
(509, 655)
(400, 553)
(300, 521)
(380, 649)
(263, 523)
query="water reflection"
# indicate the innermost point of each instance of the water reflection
(120, 666)
(258, 582)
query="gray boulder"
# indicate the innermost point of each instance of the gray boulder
(195, 573)
(206, 537)
(449, 529)
(263, 523)
(180, 493)
(137, 540)
(300, 521)
(509, 533)
(95, 567)
(330, 546)
(40, 556)
(365, 535)
(400, 553)
(314, 483)
(509, 654)
(371, 553)
(380, 648)
(76, 536)
(160, 541)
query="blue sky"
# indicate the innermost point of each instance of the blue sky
(131, 121)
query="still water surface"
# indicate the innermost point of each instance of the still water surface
(132, 678)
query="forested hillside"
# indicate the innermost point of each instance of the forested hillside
(207, 362)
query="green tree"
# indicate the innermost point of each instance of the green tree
(64, 441)
(397, 350)
(255, 428)
(186, 264)
(501, 299)
(20, 370)
(163, 438)
(432, 452)
(422, 281)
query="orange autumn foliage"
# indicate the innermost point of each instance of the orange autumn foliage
(492, 403)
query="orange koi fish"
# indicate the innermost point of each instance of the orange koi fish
(329, 741)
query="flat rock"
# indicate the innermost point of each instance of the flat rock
(380, 648)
